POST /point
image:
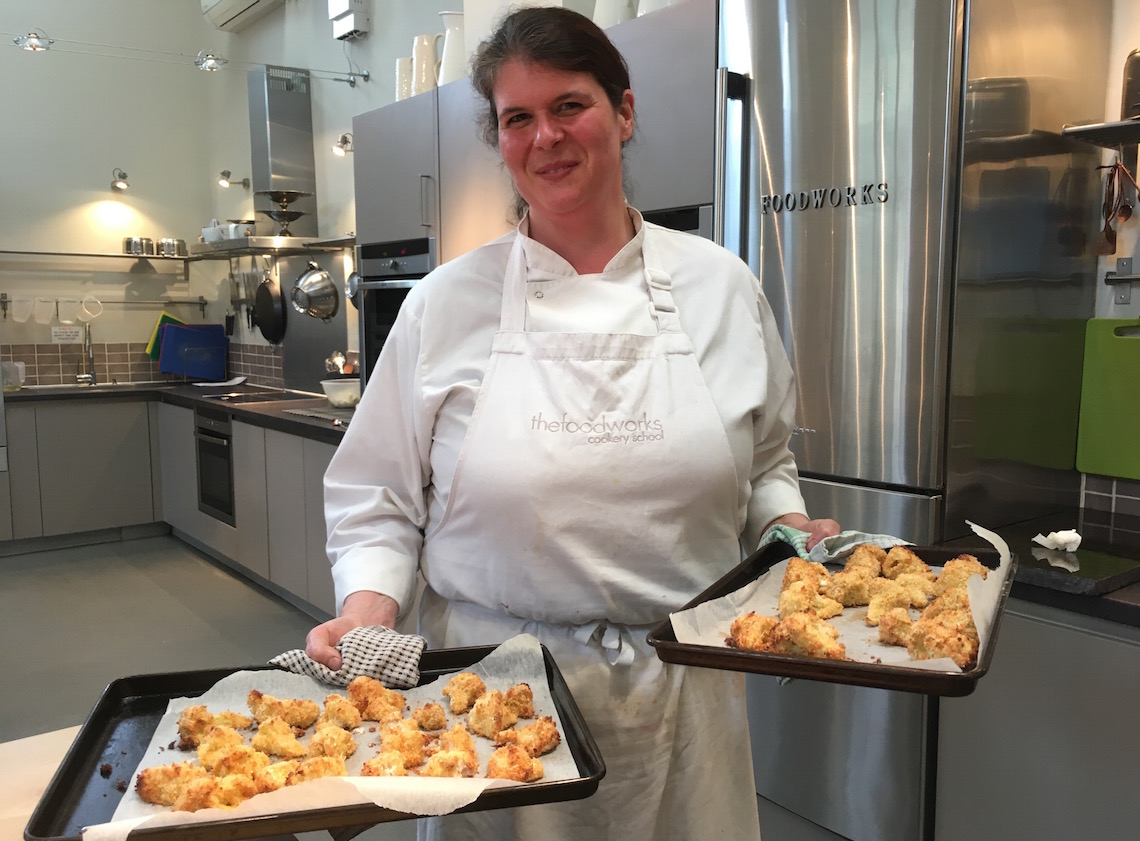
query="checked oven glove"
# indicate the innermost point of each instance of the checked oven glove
(371, 650)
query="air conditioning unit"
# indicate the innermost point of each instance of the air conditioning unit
(235, 15)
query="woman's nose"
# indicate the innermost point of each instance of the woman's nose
(547, 131)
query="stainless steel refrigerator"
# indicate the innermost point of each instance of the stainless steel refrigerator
(894, 173)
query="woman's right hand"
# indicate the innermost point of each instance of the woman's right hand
(361, 608)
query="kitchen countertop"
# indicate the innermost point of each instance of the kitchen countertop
(26, 768)
(268, 414)
(1110, 548)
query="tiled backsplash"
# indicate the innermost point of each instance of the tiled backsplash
(52, 364)
(1117, 496)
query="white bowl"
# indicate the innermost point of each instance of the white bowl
(342, 393)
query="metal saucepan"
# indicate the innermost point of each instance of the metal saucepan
(269, 309)
(315, 294)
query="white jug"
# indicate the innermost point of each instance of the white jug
(453, 63)
(610, 12)
(425, 62)
(403, 77)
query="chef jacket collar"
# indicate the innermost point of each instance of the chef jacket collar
(551, 264)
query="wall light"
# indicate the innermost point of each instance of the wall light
(119, 180)
(35, 41)
(224, 180)
(208, 61)
(343, 145)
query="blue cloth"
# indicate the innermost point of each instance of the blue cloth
(830, 549)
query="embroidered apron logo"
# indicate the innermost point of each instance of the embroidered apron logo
(604, 430)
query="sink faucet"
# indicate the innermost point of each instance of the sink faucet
(87, 375)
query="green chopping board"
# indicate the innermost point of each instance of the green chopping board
(1108, 437)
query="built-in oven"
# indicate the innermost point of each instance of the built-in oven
(213, 444)
(386, 272)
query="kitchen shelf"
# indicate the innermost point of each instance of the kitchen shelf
(269, 246)
(101, 255)
(1108, 135)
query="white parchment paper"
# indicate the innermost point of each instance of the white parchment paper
(518, 660)
(708, 623)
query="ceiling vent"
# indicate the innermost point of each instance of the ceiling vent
(235, 15)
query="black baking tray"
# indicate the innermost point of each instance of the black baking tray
(830, 671)
(100, 764)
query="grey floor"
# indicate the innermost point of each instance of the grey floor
(72, 620)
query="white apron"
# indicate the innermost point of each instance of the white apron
(594, 492)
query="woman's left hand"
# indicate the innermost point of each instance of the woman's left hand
(817, 529)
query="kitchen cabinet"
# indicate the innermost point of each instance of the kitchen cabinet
(5, 507)
(79, 467)
(294, 477)
(251, 504)
(285, 484)
(24, 472)
(94, 465)
(320, 593)
(1046, 746)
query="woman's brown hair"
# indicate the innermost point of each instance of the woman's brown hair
(553, 37)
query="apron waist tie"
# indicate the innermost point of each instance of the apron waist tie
(617, 640)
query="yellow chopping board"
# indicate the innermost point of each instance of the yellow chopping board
(1108, 437)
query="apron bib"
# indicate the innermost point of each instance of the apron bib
(598, 469)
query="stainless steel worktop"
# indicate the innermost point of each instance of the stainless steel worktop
(269, 410)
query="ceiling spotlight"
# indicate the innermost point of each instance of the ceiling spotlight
(224, 180)
(209, 61)
(119, 180)
(343, 145)
(35, 41)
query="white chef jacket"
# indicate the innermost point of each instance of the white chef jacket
(389, 479)
(674, 739)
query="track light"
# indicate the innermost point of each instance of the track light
(224, 180)
(208, 61)
(35, 41)
(343, 145)
(119, 180)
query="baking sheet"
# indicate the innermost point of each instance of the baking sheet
(696, 634)
(135, 726)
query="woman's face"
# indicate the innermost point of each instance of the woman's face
(560, 137)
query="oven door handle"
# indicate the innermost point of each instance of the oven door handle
(210, 438)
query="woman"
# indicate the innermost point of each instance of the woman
(572, 431)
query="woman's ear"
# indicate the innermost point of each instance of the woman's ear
(625, 115)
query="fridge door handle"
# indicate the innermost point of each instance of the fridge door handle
(425, 197)
(729, 86)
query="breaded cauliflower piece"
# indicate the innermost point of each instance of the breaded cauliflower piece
(520, 699)
(407, 739)
(375, 701)
(240, 759)
(316, 767)
(276, 737)
(751, 631)
(808, 635)
(867, 556)
(885, 594)
(387, 763)
(902, 560)
(298, 712)
(274, 776)
(490, 714)
(850, 587)
(430, 716)
(894, 626)
(339, 711)
(511, 762)
(215, 743)
(802, 596)
(196, 720)
(956, 572)
(463, 689)
(332, 740)
(163, 784)
(537, 738)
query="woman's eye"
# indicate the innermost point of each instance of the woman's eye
(515, 119)
(570, 107)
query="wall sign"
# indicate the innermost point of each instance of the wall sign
(819, 198)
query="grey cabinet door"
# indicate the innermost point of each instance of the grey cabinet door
(396, 170)
(95, 469)
(179, 471)
(5, 507)
(320, 593)
(1046, 746)
(24, 472)
(251, 502)
(285, 486)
